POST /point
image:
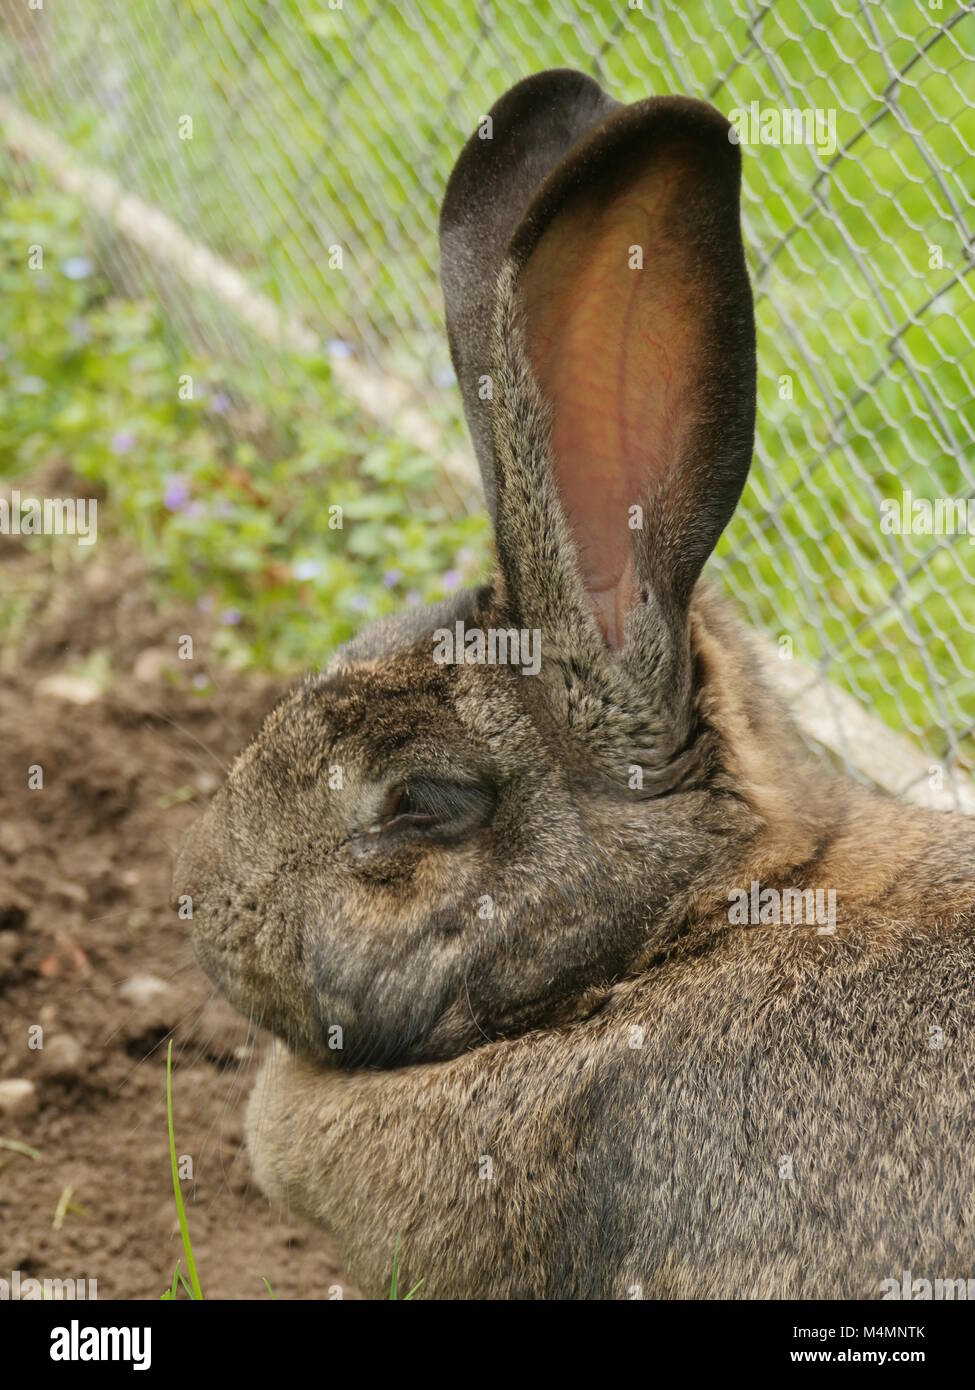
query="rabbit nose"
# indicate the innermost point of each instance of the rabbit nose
(183, 873)
(198, 857)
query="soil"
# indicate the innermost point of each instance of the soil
(92, 953)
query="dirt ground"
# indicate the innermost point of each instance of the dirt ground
(91, 951)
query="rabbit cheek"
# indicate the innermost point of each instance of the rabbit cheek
(376, 862)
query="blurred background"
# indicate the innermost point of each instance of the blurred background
(244, 197)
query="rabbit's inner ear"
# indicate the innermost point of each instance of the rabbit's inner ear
(636, 316)
(613, 335)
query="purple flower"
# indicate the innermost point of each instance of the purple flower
(77, 267)
(414, 597)
(221, 403)
(177, 493)
(391, 578)
(444, 377)
(452, 580)
(230, 617)
(358, 603)
(123, 442)
(338, 347)
(80, 330)
(306, 569)
(205, 603)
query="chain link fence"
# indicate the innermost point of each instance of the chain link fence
(297, 152)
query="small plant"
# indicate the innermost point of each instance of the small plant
(394, 1283)
(179, 1280)
(192, 1288)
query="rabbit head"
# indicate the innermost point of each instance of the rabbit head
(431, 843)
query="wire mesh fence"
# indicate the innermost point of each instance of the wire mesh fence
(307, 147)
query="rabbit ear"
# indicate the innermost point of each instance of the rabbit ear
(625, 290)
(523, 138)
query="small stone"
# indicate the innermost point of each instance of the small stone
(13, 839)
(77, 690)
(63, 1056)
(99, 579)
(71, 892)
(145, 991)
(151, 663)
(18, 1098)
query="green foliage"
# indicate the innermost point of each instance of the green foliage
(228, 493)
(192, 1287)
(179, 1282)
(394, 1292)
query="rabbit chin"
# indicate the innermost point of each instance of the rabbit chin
(298, 1020)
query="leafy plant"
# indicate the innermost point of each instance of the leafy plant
(259, 495)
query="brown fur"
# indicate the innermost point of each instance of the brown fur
(489, 1100)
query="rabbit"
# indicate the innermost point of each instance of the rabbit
(488, 914)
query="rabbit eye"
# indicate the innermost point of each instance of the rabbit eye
(443, 809)
(408, 806)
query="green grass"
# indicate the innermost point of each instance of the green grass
(192, 1287)
(179, 1282)
(16, 1146)
(394, 1292)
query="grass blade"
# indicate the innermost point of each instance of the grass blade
(196, 1292)
(16, 1147)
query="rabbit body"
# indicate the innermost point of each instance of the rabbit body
(760, 1111)
(784, 1131)
(494, 913)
